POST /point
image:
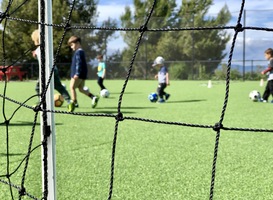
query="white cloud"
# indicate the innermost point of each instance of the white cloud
(111, 10)
(106, 11)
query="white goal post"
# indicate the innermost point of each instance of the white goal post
(51, 139)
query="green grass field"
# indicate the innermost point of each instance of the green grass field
(152, 161)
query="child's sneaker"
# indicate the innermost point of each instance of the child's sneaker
(167, 96)
(262, 100)
(95, 100)
(161, 101)
(71, 107)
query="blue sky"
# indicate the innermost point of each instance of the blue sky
(258, 13)
(116, 7)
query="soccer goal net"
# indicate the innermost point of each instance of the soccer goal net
(51, 153)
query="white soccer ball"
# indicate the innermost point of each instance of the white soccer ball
(255, 95)
(104, 93)
(85, 88)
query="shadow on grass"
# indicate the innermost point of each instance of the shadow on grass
(11, 154)
(187, 101)
(23, 123)
(109, 112)
(113, 110)
(92, 146)
(125, 107)
(125, 93)
(109, 97)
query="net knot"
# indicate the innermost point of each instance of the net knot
(37, 108)
(7, 122)
(239, 27)
(217, 126)
(67, 26)
(143, 28)
(3, 15)
(22, 191)
(119, 117)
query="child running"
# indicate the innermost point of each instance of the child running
(79, 71)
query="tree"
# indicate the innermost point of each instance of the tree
(178, 45)
(115, 68)
(103, 36)
(17, 33)
(162, 13)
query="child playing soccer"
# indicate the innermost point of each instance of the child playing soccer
(101, 71)
(79, 71)
(57, 81)
(163, 79)
(268, 54)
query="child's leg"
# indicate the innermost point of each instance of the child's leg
(163, 86)
(266, 92)
(86, 92)
(73, 86)
(60, 88)
(270, 83)
(37, 89)
(94, 98)
(160, 90)
(100, 83)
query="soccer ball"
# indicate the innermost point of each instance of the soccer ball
(104, 93)
(255, 95)
(85, 88)
(58, 100)
(153, 97)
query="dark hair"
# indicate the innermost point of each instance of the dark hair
(74, 39)
(269, 51)
(100, 56)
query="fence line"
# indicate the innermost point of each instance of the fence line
(248, 69)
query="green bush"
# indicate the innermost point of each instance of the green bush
(221, 74)
(179, 71)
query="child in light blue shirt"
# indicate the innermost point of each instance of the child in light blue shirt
(101, 72)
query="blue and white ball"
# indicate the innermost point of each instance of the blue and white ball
(153, 97)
